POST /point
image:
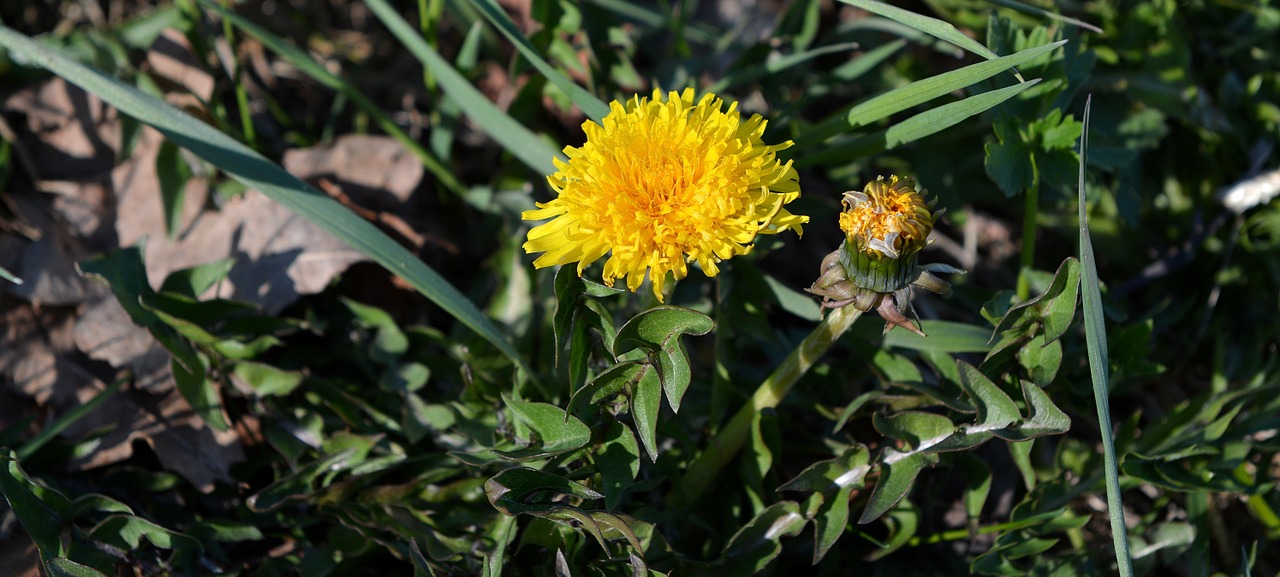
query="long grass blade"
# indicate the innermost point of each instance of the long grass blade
(591, 106)
(922, 91)
(513, 136)
(932, 26)
(319, 73)
(1038, 11)
(1095, 333)
(256, 172)
(943, 117)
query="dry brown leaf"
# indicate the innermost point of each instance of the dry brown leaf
(105, 332)
(375, 171)
(47, 264)
(171, 58)
(71, 135)
(180, 439)
(32, 347)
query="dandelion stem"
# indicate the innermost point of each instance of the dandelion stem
(725, 444)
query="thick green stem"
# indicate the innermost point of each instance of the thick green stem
(1030, 218)
(725, 444)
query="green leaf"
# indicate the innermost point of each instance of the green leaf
(902, 523)
(127, 532)
(898, 472)
(1045, 418)
(6, 275)
(943, 117)
(944, 337)
(41, 522)
(931, 26)
(299, 484)
(646, 400)
(172, 174)
(922, 91)
(995, 409)
(1095, 332)
(267, 380)
(757, 543)
(847, 470)
(258, 173)
(506, 131)
(918, 429)
(614, 380)
(67, 568)
(507, 491)
(590, 105)
(192, 282)
(659, 329)
(619, 463)
(558, 431)
(1041, 359)
(655, 328)
(977, 484)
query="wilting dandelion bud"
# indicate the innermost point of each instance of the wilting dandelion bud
(886, 224)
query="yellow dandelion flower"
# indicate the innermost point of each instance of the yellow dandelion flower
(661, 184)
(886, 224)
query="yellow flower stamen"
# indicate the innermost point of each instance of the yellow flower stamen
(662, 183)
(887, 219)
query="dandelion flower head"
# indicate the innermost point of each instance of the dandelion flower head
(662, 183)
(887, 218)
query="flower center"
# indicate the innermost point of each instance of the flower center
(887, 218)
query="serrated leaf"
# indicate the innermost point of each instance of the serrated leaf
(508, 490)
(847, 470)
(558, 430)
(1041, 359)
(646, 401)
(995, 409)
(612, 381)
(757, 543)
(919, 430)
(898, 472)
(655, 328)
(830, 520)
(902, 523)
(619, 463)
(67, 568)
(1045, 417)
(298, 484)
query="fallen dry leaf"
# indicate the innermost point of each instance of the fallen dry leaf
(71, 135)
(33, 345)
(19, 556)
(105, 332)
(375, 171)
(181, 441)
(171, 58)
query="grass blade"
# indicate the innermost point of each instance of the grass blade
(591, 106)
(256, 172)
(922, 91)
(319, 73)
(1095, 333)
(1038, 11)
(948, 115)
(932, 26)
(513, 136)
(6, 275)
